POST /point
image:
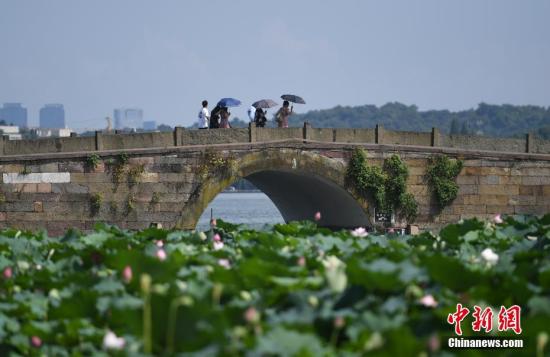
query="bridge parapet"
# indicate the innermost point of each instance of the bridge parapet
(185, 137)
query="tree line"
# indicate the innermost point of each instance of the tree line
(487, 119)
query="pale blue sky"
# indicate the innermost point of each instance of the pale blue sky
(166, 56)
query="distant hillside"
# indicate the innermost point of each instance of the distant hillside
(489, 120)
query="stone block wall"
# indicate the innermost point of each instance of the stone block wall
(60, 190)
(68, 193)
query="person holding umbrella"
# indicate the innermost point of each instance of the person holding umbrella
(259, 113)
(224, 114)
(259, 118)
(284, 112)
(215, 117)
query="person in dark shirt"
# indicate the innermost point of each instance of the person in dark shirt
(215, 117)
(259, 118)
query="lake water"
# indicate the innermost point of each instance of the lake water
(254, 209)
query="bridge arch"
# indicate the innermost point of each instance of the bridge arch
(298, 182)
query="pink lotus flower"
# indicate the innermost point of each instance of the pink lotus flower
(302, 261)
(251, 315)
(391, 230)
(218, 245)
(317, 216)
(359, 232)
(161, 254)
(127, 274)
(159, 243)
(339, 322)
(36, 341)
(217, 238)
(7, 273)
(224, 263)
(428, 301)
(433, 343)
(498, 219)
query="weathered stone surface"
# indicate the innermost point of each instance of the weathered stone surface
(90, 177)
(51, 177)
(17, 206)
(467, 180)
(535, 180)
(494, 199)
(141, 160)
(69, 188)
(489, 180)
(71, 166)
(475, 171)
(28, 187)
(171, 192)
(499, 190)
(44, 187)
(38, 207)
(500, 209)
(468, 189)
(7, 168)
(149, 177)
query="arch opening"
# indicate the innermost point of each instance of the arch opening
(241, 202)
(294, 196)
(299, 195)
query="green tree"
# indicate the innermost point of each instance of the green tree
(454, 127)
(464, 129)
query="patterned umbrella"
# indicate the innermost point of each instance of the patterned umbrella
(265, 103)
(293, 98)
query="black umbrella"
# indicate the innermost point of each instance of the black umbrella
(293, 98)
(264, 103)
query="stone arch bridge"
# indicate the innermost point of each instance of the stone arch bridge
(133, 180)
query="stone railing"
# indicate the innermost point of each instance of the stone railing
(184, 137)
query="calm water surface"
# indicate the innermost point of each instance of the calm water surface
(254, 209)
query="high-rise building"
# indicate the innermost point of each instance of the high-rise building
(52, 116)
(150, 125)
(128, 118)
(14, 113)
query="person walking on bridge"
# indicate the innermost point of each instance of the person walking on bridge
(224, 114)
(283, 113)
(204, 116)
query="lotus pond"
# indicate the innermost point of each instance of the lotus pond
(293, 289)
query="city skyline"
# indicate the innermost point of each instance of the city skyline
(436, 55)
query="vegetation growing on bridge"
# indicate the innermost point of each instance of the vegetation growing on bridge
(442, 173)
(93, 161)
(214, 163)
(386, 184)
(135, 174)
(96, 200)
(118, 168)
(293, 289)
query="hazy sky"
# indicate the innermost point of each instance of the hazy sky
(166, 56)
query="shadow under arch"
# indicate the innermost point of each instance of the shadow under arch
(299, 183)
